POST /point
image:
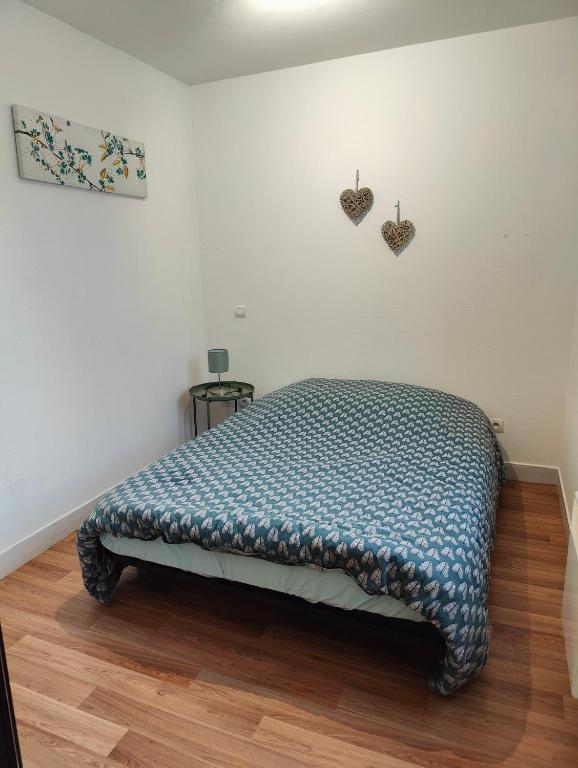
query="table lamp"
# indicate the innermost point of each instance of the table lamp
(219, 363)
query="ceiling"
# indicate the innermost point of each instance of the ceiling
(197, 41)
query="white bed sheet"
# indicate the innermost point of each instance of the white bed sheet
(330, 587)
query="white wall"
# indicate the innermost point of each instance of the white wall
(101, 327)
(477, 137)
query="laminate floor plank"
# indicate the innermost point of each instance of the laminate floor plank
(63, 687)
(135, 749)
(87, 671)
(41, 749)
(97, 734)
(211, 744)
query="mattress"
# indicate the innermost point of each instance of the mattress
(317, 586)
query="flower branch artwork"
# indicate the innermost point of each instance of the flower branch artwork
(59, 151)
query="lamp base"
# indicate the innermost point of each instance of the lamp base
(221, 390)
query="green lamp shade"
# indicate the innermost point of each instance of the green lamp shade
(218, 360)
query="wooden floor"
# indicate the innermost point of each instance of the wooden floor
(202, 673)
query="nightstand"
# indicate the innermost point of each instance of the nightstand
(213, 392)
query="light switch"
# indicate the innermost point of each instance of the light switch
(240, 310)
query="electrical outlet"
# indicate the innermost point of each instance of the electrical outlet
(240, 310)
(498, 425)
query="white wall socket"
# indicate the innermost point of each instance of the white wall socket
(240, 310)
(498, 425)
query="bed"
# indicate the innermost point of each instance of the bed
(385, 492)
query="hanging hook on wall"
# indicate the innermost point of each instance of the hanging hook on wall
(397, 206)
(357, 180)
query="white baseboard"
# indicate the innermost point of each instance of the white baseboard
(535, 473)
(532, 473)
(31, 546)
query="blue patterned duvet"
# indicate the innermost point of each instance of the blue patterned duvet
(395, 485)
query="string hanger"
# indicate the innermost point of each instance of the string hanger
(397, 206)
(357, 180)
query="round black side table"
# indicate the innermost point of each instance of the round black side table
(215, 392)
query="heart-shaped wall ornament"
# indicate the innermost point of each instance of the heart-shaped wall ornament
(397, 236)
(356, 203)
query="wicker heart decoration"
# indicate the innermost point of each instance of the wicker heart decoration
(356, 203)
(397, 236)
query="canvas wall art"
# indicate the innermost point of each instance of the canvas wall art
(59, 151)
